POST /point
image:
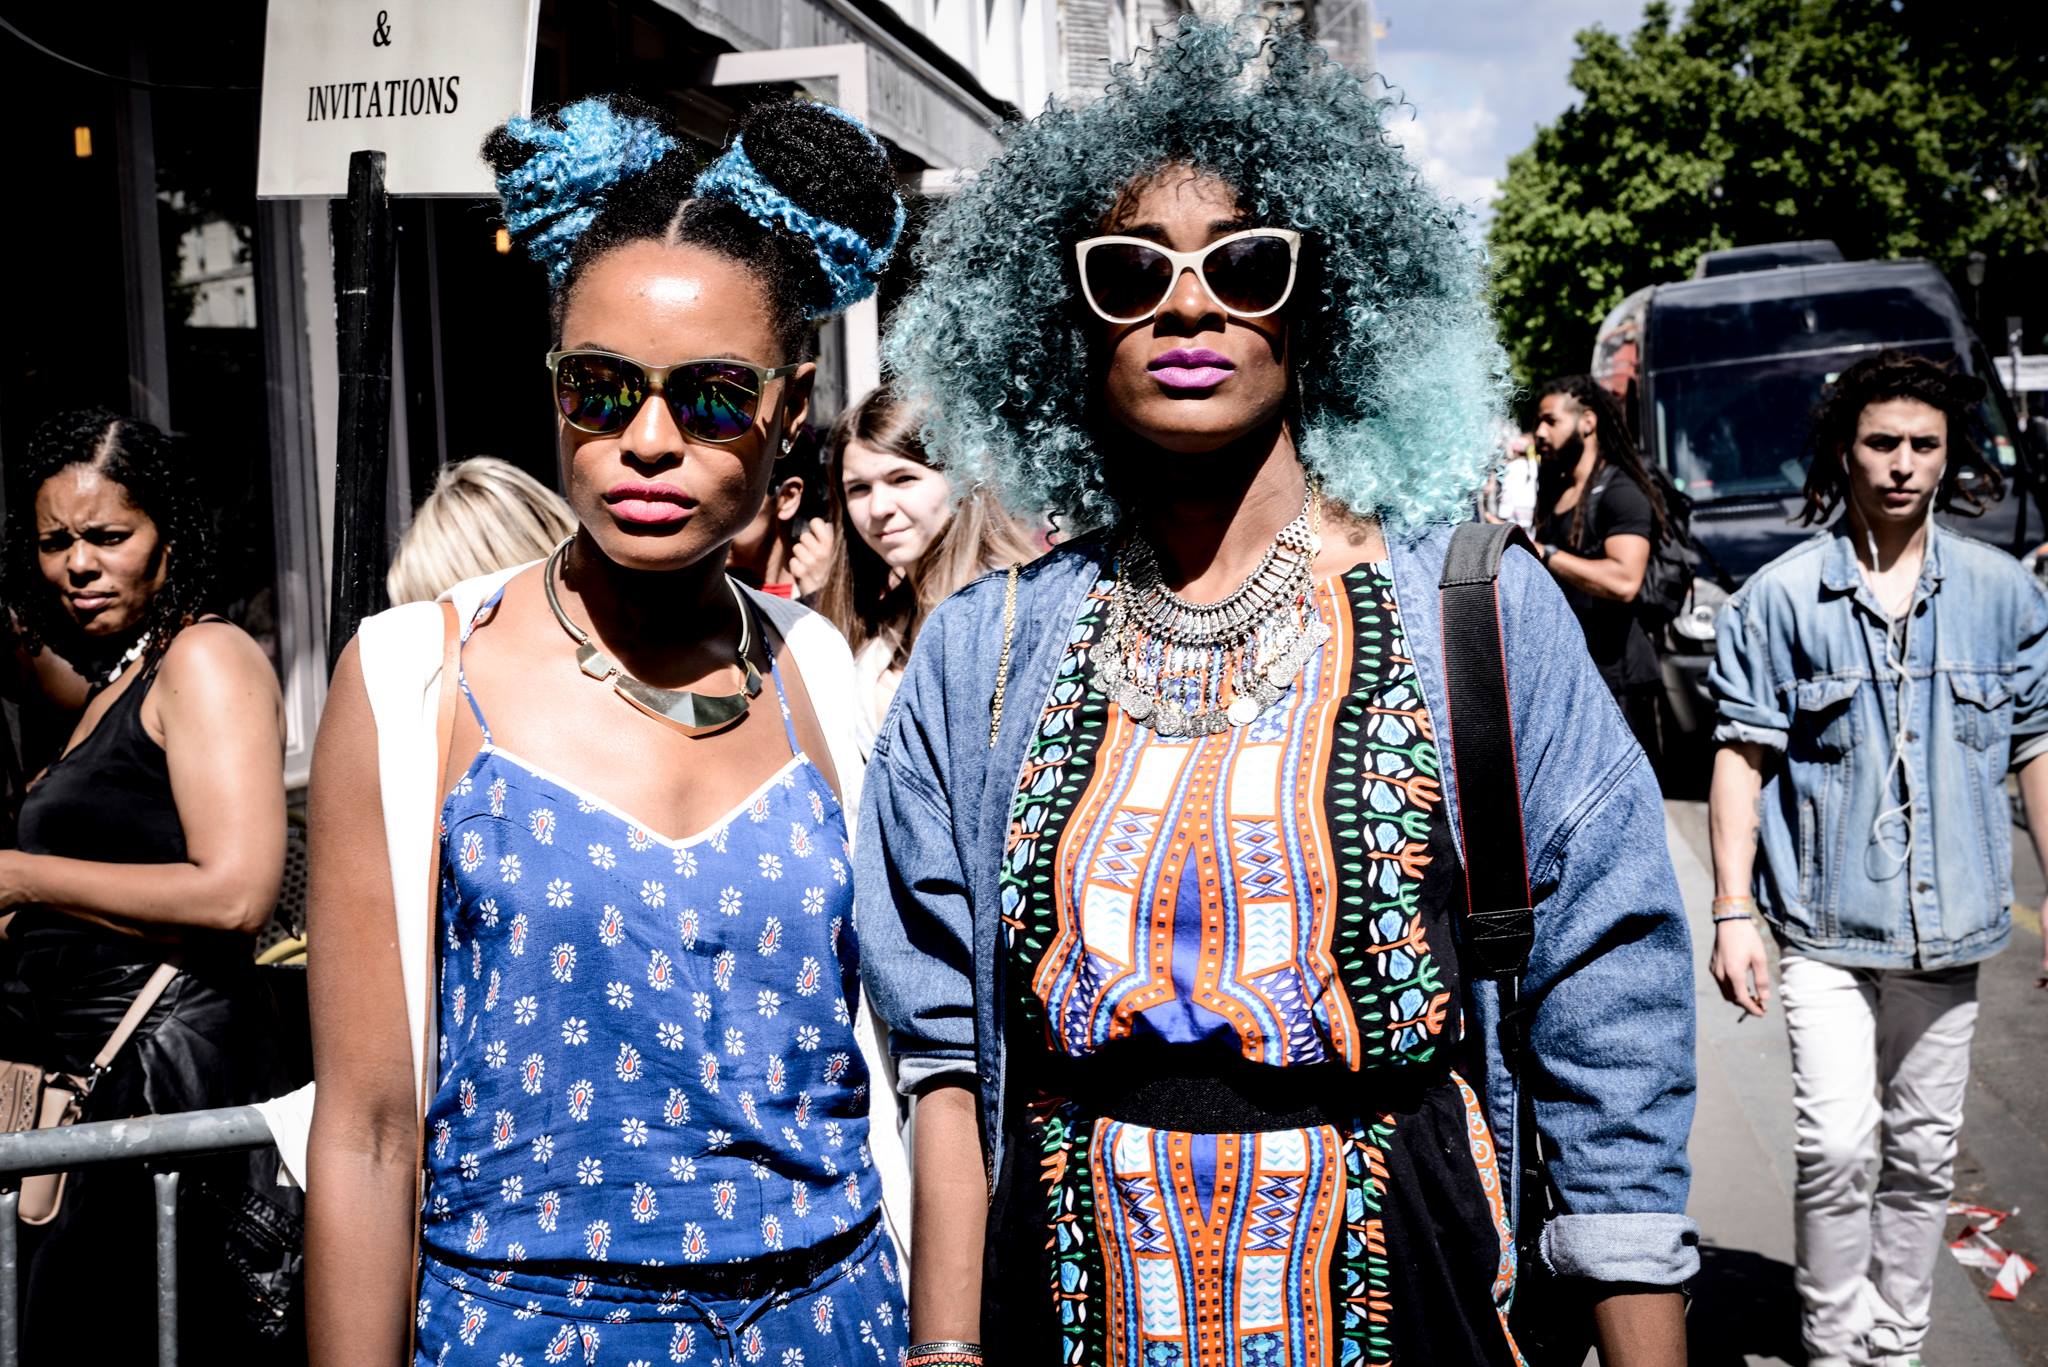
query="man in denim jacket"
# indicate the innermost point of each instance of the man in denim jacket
(1875, 685)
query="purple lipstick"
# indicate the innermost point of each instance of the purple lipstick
(1196, 369)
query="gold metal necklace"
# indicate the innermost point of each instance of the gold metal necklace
(693, 714)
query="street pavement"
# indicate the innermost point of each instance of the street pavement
(1745, 1310)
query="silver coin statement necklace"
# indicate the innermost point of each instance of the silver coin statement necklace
(1194, 669)
(693, 714)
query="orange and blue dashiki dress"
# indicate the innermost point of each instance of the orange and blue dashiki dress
(1263, 916)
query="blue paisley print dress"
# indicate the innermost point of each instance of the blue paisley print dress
(1274, 906)
(648, 1142)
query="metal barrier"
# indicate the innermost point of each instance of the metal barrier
(25, 1153)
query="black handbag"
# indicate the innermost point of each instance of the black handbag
(1552, 1316)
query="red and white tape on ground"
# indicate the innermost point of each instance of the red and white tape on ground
(1974, 1247)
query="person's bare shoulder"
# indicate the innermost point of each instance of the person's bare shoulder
(214, 663)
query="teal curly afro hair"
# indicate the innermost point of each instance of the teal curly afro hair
(1399, 380)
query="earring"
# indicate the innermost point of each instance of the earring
(788, 445)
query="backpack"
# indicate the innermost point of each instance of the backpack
(1675, 557)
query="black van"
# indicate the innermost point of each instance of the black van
(1722, 374)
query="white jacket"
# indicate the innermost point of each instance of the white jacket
(400, 652)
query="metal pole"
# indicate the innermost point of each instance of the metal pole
(149, 367)
(25, 1152)
(166, 1269)
(122, 1141)
(2015, 343)
(10, 1280)
(363, 287)
(419, 335)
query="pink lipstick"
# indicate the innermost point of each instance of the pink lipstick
(1191, 369)
(641, 503)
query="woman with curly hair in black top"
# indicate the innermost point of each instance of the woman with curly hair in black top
(155, 838)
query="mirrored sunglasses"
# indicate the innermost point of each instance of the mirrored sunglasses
(711, 400)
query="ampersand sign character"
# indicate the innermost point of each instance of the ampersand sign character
(382, 37)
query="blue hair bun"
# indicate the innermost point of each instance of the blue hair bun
(554, 195)
(850, 262)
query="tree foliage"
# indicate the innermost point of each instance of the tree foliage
(1894, 127)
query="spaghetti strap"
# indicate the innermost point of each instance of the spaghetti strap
(462, 674)
(782, 704)
(759, 625)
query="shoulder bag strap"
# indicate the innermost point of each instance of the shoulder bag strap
(132, 1019)
(1500, 923)
(444, 745)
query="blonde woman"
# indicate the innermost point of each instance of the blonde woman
(905, 544)
(485, 514)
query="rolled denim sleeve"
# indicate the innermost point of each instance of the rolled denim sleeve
(1612, 1037)
(1608, 990)
(1745, 696)
(2030, 692)
(916, 916)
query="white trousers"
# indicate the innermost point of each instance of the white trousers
(1880, 1060)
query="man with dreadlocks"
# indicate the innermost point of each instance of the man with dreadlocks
(1596, 516)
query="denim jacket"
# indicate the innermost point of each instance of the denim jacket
(1801, 667)
(1609, 984)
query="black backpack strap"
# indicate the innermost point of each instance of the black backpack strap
(1500, 922)
(1501, 925)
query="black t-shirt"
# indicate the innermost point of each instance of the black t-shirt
(1617, 641)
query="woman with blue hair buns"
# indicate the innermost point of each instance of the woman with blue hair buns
(640, 1127)
(1159, 861)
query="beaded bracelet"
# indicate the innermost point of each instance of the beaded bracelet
(944, 1353)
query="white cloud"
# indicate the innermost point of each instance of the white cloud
(1449, 145)
(1481, 75)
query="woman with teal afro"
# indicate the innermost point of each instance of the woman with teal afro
(1398, 411)
(1161, 864)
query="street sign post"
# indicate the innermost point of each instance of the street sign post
(362, 319)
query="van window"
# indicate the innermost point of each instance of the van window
(1740, 431)
(1685, 333)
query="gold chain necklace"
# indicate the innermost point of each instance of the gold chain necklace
(693, 714)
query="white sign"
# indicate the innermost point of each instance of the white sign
(420, 81)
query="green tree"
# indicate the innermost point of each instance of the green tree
(1894, 127)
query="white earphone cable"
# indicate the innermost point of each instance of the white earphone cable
(1898, 654)
(1897, 817)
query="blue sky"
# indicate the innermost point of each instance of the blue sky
(1481, 75)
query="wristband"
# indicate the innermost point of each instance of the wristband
(944, 1353)
(1735, 908)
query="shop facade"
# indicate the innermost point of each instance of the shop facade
(147, 277)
